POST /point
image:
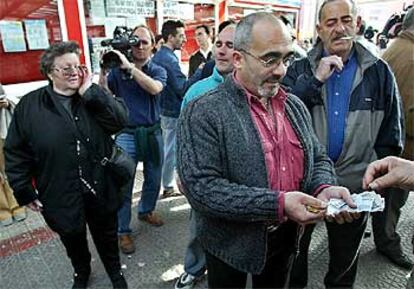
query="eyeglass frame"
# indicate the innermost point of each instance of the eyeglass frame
(65, 70)
(268, 63)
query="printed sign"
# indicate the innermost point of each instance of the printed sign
(36, 34)
(12, 36)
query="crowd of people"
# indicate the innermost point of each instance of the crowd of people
(259, 137)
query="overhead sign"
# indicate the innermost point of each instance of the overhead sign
(183, 11)
(290, 3)
(130, 8)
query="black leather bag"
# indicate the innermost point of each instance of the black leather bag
(121, 166)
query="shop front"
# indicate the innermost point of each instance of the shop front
(28, 27)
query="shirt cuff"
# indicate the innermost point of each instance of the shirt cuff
(319, 189)
(281, 208)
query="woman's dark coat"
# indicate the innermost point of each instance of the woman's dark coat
(41, 149)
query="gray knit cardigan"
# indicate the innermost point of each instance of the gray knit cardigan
(221, 165)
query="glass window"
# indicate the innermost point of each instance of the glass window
(26, 29)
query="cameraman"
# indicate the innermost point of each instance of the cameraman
(139, 83)
(364, 36)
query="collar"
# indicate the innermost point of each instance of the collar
(351, 54)
(207, 51)
(146, 65)
(407, 35)
(364, 57)
(168, 50)
(54, 93)
(217, 75)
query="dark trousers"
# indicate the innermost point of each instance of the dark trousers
(103, 228)
(344, 244)
(281, 246)
(384, 223)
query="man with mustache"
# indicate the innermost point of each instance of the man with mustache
(356, 112)
(250, 164)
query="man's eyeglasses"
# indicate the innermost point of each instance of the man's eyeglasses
(70, 70)
(273, 61)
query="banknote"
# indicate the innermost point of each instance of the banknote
(367, 201)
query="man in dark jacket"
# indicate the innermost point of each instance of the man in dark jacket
(204, 53)
(356, 113)
(249, 163)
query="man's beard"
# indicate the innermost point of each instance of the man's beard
(266, 92)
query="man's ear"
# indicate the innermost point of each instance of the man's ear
(358, 22)
(237, 59)
(358, 26)
(318, 29)
(170, 38)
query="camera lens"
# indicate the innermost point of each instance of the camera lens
(110, 60)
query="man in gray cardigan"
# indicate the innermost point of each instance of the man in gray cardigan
(249, 163)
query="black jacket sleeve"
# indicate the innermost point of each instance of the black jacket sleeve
(20, 159)
(110, 112)
(302, 83)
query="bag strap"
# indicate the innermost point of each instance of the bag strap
(103, 160)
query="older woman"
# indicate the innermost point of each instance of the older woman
(51, 169)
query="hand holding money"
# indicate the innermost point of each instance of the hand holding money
(367, 201)
(343, 194)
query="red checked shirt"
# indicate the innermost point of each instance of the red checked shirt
(282, 149)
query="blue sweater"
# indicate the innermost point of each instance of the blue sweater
(201, 87)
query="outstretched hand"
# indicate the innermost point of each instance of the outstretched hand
(389, 172)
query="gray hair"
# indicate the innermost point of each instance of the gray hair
(353, 9)
(408, 22)
(55, 50)
(243, 33)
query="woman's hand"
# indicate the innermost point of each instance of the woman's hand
(36, 206)
(4, 103)
(85, 78)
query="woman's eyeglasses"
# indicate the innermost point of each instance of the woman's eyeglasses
(70, 70)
